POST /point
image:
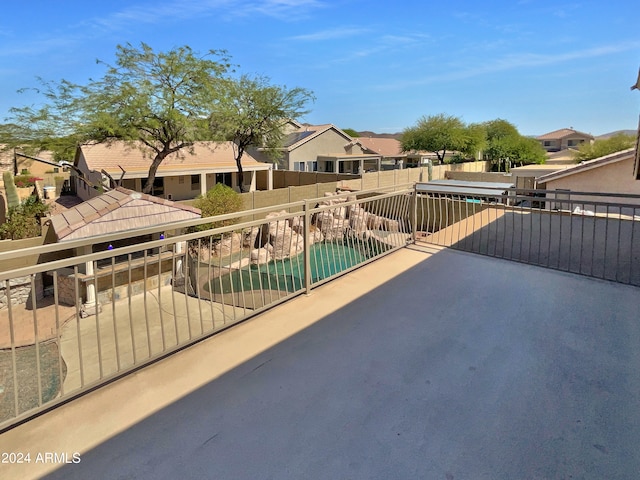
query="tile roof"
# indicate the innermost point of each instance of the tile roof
(387, 147)
(135, 159)
(588, 165)
(562, 133)
(118, 210)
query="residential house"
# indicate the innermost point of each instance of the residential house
(389, 149)
(321, 148)
(563, 139)
(183, 175)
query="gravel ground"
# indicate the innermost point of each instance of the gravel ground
(27, 375)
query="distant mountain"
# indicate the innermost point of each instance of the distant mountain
(617, 132)
(369, 134)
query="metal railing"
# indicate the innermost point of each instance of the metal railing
(592, 234)
(94, 314)
(69, 325)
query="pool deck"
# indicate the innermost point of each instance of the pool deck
(427, 363)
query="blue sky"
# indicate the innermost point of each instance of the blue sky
(372, 65)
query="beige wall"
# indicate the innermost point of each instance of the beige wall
(613, 178)
(410, 175)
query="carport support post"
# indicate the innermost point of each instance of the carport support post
(307, 246)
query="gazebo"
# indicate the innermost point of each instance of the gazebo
(118, 210)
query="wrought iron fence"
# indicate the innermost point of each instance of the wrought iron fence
(75, 323)
(593, 234)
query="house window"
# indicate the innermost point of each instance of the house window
(158, 186)
(314, 166)
(547, 143)
(298, 166)
(195, 182)
(224, 178)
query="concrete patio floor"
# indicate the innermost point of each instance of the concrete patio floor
(424, 364)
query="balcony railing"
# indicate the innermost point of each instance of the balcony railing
(69, 325)
(593, 234)
(74, 323)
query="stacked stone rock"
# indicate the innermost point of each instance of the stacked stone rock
(284, 238)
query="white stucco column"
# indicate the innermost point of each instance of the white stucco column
(203, 184)
(252, 187)
(270, 179)
(91, 305)
(180, 247)
(91, 288)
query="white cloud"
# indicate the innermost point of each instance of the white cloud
(162, 12)
(515, 61)
(330, 34)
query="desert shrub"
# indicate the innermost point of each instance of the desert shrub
(218, 200)
(23, 221)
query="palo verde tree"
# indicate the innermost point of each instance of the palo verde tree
(158, 101)
(441, 134)
(253, 112)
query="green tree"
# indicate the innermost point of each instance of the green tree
(441, 134)
(253, 112)
(506, 146)
(351, 132)
(161, 100)
(600, 148)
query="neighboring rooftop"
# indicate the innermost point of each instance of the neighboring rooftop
(307, 132)
(136, 160)
(387, 147)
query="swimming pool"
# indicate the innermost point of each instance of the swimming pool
(326, 260)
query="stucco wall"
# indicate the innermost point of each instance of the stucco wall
(613, 178)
